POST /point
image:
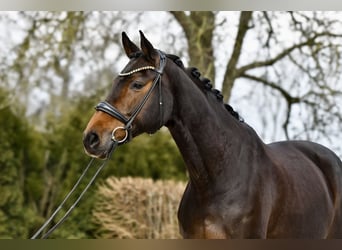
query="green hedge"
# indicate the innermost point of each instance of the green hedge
(39, 168)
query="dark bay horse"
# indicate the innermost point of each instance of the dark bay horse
(238, 186)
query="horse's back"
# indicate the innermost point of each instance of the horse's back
(324, 162)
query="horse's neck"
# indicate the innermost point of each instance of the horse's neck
(215, 146)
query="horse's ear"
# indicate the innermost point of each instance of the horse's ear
(147, 47)
(128, 45)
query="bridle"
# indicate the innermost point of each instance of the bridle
(112, 111)
(109, 109)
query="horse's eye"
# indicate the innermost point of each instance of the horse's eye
(137, 85)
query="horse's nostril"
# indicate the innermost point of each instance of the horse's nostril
(92, 140)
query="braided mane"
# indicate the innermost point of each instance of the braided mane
(204, 84)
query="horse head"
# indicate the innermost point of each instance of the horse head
(139, 101)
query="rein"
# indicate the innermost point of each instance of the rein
(67, 213)
(112, 111)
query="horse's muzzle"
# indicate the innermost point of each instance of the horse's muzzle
(93, 146)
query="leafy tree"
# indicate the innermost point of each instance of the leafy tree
(20, 173)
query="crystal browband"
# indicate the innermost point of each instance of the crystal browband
(137, 70)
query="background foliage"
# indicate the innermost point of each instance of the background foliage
(19, 178)
(39, 168)
(281, 70)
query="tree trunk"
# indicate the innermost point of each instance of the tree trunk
(231, 70)
(199, 27)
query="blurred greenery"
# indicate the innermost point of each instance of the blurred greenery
(20, 179)
(39, 168)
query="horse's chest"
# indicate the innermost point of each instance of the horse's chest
(203, 223)
(209, 220)
(204, 228)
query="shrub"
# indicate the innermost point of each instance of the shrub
(20, 166)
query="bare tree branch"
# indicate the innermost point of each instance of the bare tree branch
(231, 72)
(270, 29)
(287, 96)
(273, 85)
(309, 42)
